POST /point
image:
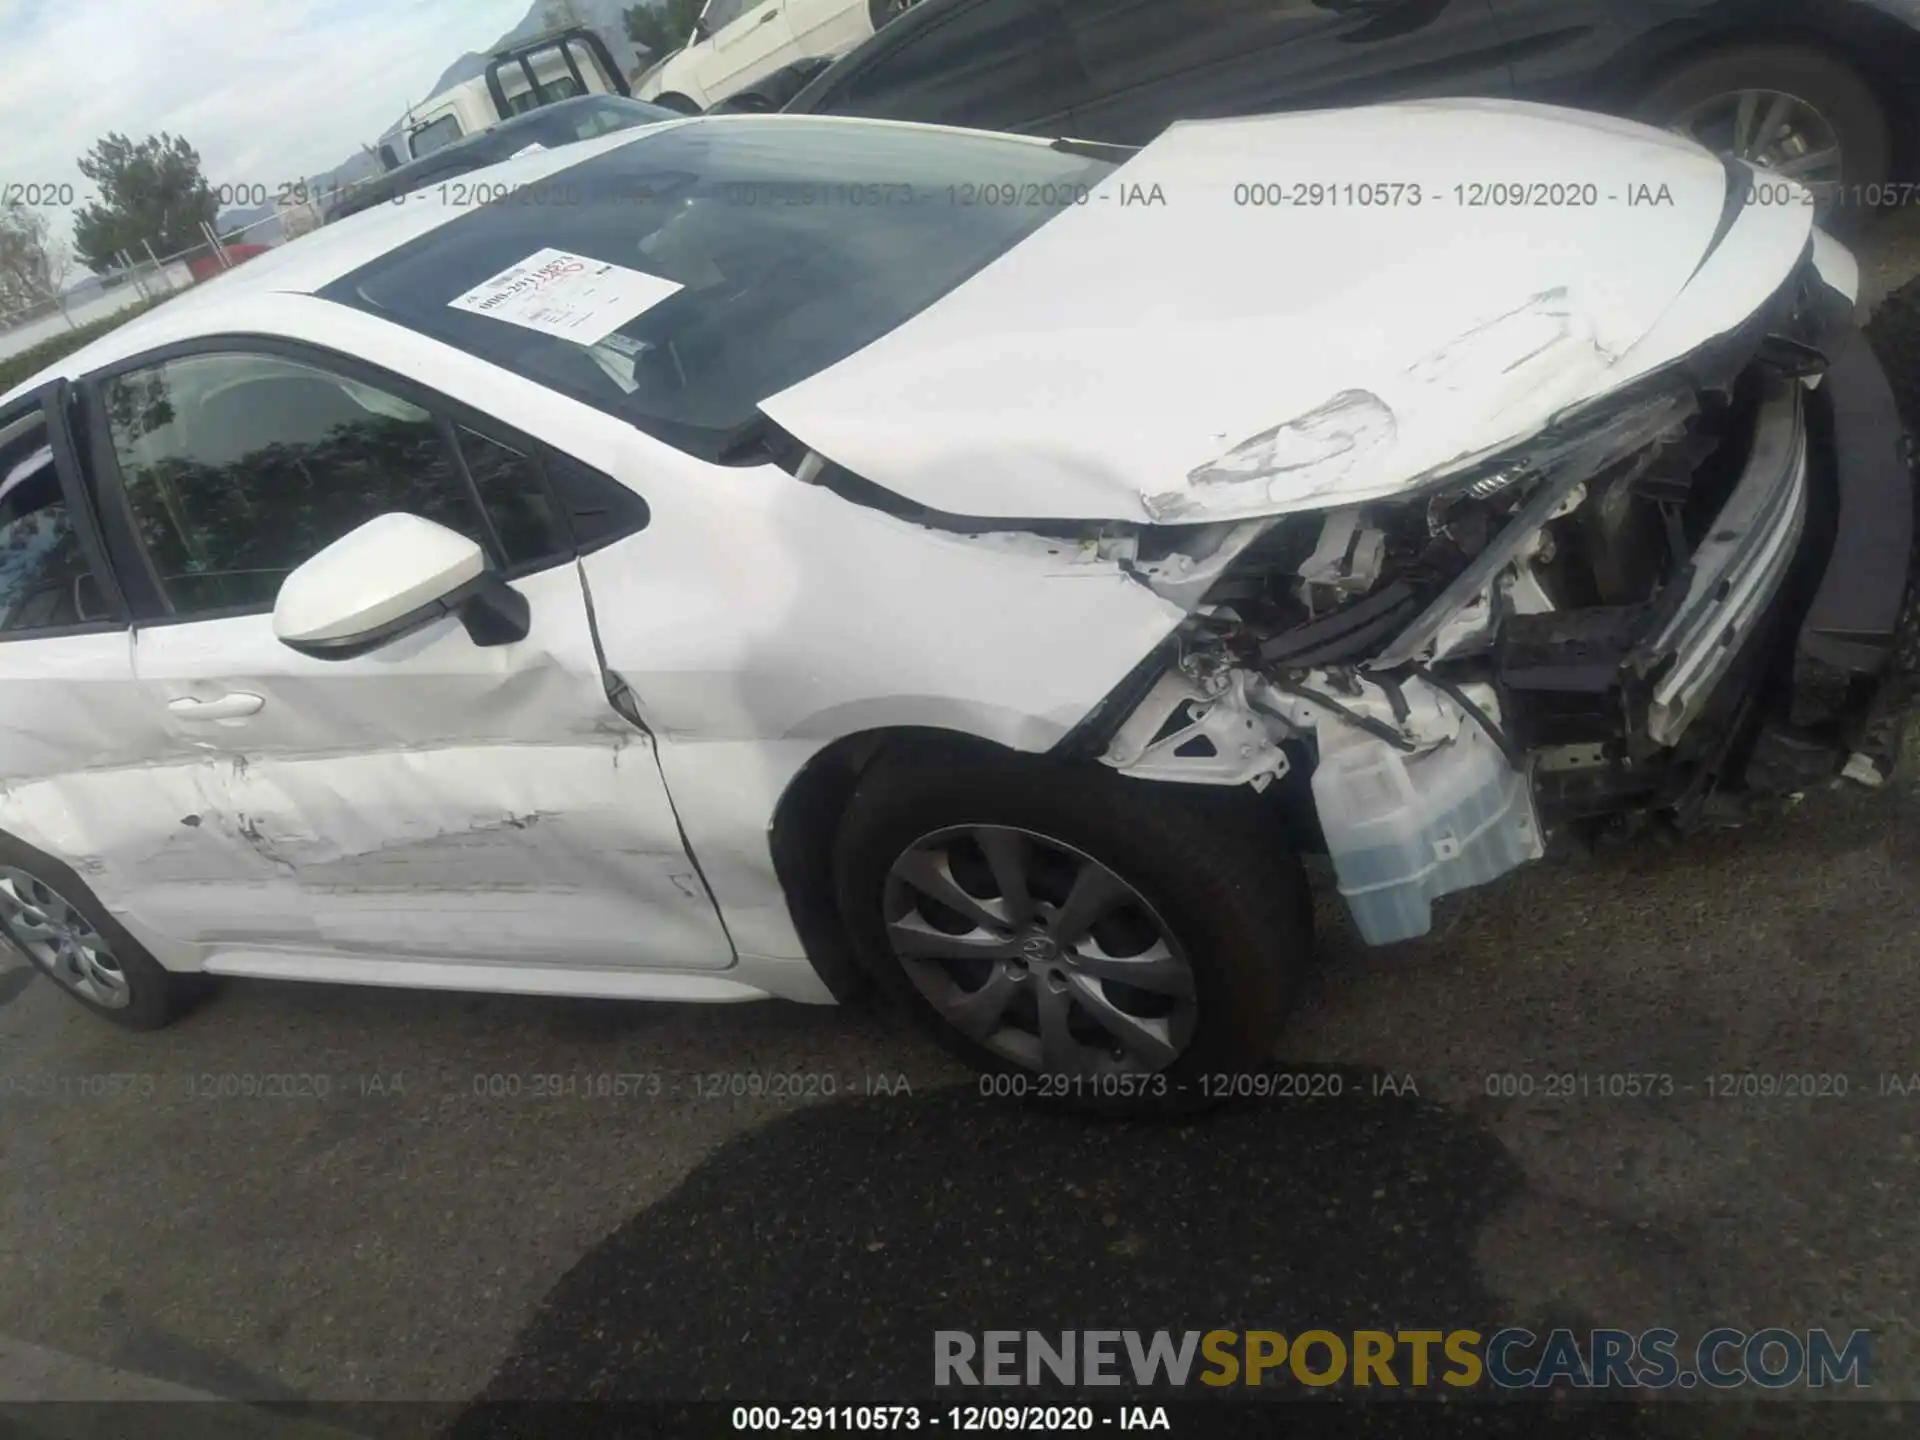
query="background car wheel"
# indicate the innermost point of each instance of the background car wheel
(1795, 112)
(673, 101)
(1045, 918)
(49, 916)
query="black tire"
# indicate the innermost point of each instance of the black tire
(1894, 333)
(673, 100)
(1216, 874)
(157, 996)
(1840, 93)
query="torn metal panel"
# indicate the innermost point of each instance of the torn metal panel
(1192, 734)
(1128, 390)
(1564, 464)
(1415, 793)
(1186, 574)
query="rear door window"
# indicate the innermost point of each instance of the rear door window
(46, 582)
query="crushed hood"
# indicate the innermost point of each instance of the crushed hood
(1176, 350)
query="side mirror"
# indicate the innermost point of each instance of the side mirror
(388, 578)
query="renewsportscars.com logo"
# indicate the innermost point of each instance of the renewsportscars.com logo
(1507, 1359)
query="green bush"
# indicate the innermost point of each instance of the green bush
(16, 368)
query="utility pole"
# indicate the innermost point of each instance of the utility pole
(159, 270)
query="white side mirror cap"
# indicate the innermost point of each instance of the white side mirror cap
(372, 584)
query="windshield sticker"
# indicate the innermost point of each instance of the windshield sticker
(570, 297)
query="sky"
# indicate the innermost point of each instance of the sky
(266, 90)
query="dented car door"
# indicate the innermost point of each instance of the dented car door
(76, 731)
(431, 799)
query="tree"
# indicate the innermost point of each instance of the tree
(151, 193)
(663, 28)
(32, 267)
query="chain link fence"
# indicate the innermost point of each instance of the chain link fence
(143, 278)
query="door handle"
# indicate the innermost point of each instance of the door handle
(227, 707)
(769, 16)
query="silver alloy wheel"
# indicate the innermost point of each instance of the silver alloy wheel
(64, 942)
(1773, 131)
(1039, 952)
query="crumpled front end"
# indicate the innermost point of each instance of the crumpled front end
(1631, 614)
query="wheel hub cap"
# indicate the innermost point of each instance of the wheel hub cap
(58, 938)
(1038, 952)
(1772, 131)
(1038, 949)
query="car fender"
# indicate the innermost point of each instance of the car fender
(754, 606)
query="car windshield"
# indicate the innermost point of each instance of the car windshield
(679, 280)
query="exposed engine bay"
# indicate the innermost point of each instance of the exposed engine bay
(1584, 631)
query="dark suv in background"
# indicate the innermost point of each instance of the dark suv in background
(1826, 91)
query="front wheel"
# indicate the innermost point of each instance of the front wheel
(1047, 918)
(51, 917)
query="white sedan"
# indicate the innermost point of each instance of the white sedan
(738, 44)
(760, 556)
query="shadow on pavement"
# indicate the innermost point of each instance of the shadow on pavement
(813, 1260)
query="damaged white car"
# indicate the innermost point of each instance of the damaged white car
(757, 556)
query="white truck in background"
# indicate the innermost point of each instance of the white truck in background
(554, 66)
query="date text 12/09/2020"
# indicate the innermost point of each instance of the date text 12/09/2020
(1224, 1085)
(960, 1419)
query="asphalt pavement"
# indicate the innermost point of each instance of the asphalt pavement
(462, 1198)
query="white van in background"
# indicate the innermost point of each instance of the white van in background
(738, 43)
